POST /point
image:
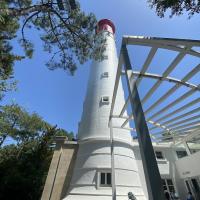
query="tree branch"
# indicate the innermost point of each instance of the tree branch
(53, 30)
(14, 12)
(29, 18)
(69, 28)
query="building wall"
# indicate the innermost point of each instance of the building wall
(93, 158)
(188, 167)
(184, 166)
(60, 170)
(171, 167)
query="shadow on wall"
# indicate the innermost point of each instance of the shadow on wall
(68, 177)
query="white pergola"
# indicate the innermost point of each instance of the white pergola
(176, 121)
(176, 125)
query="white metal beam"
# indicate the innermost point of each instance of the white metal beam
(193, 111)
(174, 88)
(129, 39)
(164, 43)
(183, 107)
(188, 137)
(147, 62)
(169, 79)
(171, 67)
(184, 121)
(178, 100)
(188, 126)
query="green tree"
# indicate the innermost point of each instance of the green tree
(24, 164)
(24, 167)
(17, 123)
(177, 7)
(6, 57)
(62, 132)
(23, 126)
(67, 32)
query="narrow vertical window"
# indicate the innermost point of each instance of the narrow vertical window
(159, 155)
(108, 178)
(168, 185)
(105, 179)
(105, 75)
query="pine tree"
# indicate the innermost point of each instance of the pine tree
(66, 32)
(24, 163)
(177, 7)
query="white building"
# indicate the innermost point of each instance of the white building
(95, 170)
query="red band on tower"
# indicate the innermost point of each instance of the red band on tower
(107, 25)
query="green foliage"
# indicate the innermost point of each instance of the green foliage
(19, 124)
(24, 165)
(67, 34)
(62, 132)
(23, 126)
(5, 86)
(23, 169)
(8, 28)
(177, 7)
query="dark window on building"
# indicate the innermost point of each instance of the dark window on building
(105, 179)
(159, 155)
(168, 185)
(105, 99)
(188, 186)
(109, 178)
(105, 75)
(181, 154)
(195, 185)
(164, 184)
(169, 182)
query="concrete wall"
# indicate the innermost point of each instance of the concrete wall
(93, 158)
(168, 167)
(60, 170)
(60, 184)
(189, 166)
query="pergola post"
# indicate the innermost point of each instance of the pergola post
(151, 171)
(112, 161)
(111, 126)
(186, 148)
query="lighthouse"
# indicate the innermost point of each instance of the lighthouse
(92, 174)
(105, 162)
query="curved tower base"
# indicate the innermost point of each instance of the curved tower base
(93, 159)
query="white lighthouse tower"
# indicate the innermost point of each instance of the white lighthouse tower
(92, 172)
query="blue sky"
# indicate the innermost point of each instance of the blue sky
(57, 96)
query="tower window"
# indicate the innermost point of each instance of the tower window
(105, 75)
(105, 179)
(105, 99)
(181, 154)
(159, 155)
